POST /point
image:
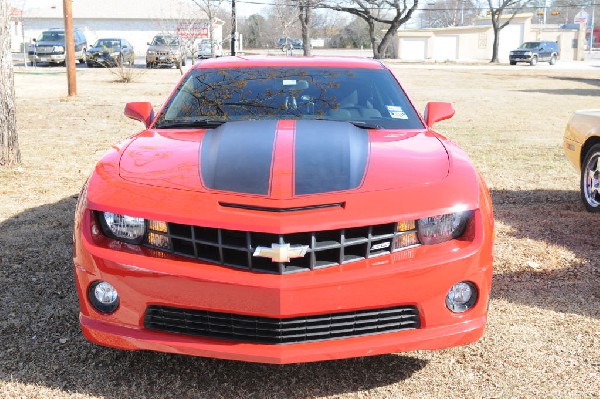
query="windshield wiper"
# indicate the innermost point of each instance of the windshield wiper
(366, 125)
(198, 123)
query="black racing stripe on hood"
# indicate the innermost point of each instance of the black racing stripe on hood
(330, 156)
(237, 157)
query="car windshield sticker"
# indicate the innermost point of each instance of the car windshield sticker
(396, 112)
(289, 82)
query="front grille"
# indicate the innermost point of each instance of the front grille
(236, 248)
(45, 49)
(266, 330)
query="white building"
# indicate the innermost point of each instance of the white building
(135, 21)
(474, 43)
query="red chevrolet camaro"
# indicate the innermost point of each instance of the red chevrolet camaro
(284, 210)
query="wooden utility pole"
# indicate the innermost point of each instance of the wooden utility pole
(70, 47)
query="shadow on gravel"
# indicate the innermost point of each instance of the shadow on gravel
(42, 344)
(553, 217)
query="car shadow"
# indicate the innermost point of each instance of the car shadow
(592, 91)
(42, 344)
(534, 222)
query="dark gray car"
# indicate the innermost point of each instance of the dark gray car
(110, 52)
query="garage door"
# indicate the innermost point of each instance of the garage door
(510, 38)
(413, 48)
(446, 48)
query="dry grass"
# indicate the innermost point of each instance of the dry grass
(543, 338)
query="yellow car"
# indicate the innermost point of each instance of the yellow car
(582, 147)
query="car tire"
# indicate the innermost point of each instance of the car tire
(90, 65)
(552, 60)
(149, 65)
(513, 62)
(533, 61)
(590, 179)
(82, 60)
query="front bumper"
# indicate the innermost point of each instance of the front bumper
(161, 60)
(102, 59)
(572, 150)
(53, 58)
(520, 58)
(418, 276)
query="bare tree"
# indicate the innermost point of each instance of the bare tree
(286, 17)
(305, 10)
(9, 143)
(500, 20)
(211, 9)
(393, 13)
(445, 13)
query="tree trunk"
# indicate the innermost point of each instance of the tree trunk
(9, 143)
(305, 21)
(373, 39)
(387, 38)
(496, 44)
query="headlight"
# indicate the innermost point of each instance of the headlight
(58, 49)
(150, 52)
(125, 228)
(512, 53)
(527, 53)
(115, 54)
(437, 229)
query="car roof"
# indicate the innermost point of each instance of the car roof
(270, 61)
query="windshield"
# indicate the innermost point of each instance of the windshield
(530, 45)
(370, 97)
(108, 43)
(165, 41)
(52, 37)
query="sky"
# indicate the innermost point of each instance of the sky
(243, 7)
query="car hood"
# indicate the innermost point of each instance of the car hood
(47, 43)
(105, 49)
(284, 159)
(163, 48)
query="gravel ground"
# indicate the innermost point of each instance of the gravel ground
(543, 336)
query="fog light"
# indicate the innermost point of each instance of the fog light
(461, 297)
(103, 297)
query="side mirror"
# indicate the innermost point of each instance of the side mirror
(437, 111)
(140, 111)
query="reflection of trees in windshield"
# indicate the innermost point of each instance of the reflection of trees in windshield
(262, 93)
(290, 93)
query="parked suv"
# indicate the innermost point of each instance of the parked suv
(532, 52)
(50, 47)
(165, 50)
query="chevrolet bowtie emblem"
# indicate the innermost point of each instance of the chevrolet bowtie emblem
(281, 252)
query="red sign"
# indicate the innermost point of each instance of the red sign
(193, 32)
